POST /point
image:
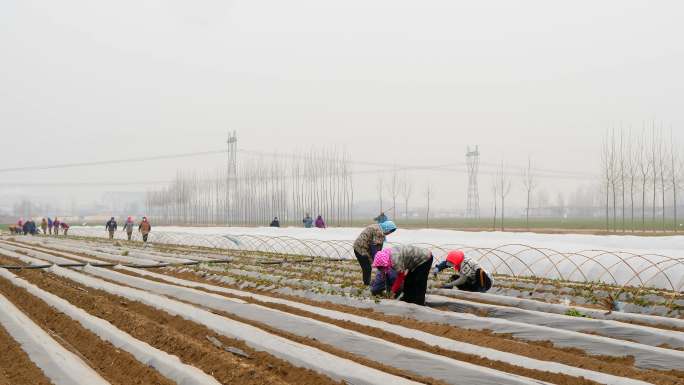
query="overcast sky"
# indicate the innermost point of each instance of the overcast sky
(407, 82)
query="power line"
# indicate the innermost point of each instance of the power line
(460, 167)
(434, 168)
(112, 161)
(83, 184)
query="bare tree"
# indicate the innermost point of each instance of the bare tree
(394, 190)
(406, 190)
(615, 176)
(379, 187)
(428, 193)
(644, 165)
(622, 174)
(654, 158)
(530, 183)
(674, 174)
(560, 203)
(633, 160)
(504, 189)
(663, 175)
(495, 194)
(608, 170)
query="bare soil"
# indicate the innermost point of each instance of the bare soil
(180, 337)
(620, 366)
(15, 366)
(544, 350)
(102, 356)
(313, 343)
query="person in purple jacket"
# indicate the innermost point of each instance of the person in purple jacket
(319, 222)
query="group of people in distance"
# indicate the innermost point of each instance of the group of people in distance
(48, 226)
(403, 271)
(307, 221)
(144, 227)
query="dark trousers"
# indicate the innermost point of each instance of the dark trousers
(366, 268)
(481, 283)
(145, 237)
(129, 234)
(415, 284)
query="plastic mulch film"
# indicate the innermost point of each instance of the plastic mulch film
(391, 354)
(167, 365)
(58, 364)
(614, 329)
(647, 357)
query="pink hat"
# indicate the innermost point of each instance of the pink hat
(383, 258)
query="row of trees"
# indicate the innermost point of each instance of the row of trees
(641, 176)
(640, 180)
(258, 190)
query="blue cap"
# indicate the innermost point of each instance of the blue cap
(388, 227)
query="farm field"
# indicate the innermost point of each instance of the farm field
(189, 314)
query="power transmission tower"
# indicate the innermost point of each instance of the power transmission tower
(231, 178)
(473, 162)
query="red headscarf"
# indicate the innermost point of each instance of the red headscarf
(456, 258)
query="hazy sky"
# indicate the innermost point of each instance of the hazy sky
(411, 82)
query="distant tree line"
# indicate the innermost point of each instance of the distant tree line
(317, 182)
(641, 177)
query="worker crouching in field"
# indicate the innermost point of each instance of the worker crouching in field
(368, 243)
(412, 267)
(65, 228)
(470, 276)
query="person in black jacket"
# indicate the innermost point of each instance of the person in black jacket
(275, 222)
(110, 226)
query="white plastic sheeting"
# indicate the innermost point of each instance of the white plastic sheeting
(295, 353)
(96, 254)
(168, 365)
(645, 356)
(614, 329)
(632, 261)
(529, 304)
(620, 330)
(11, 251)
(427, 338)
(413, 360)
(59, 365)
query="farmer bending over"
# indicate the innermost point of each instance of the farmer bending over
(412, 267)
(368, 243)
(469, 275)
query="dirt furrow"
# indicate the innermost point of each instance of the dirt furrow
(618, 366)
(106, 359)
(542, 350)
(175, 335)
(309, 342)
(408, 342)
(16, 368)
